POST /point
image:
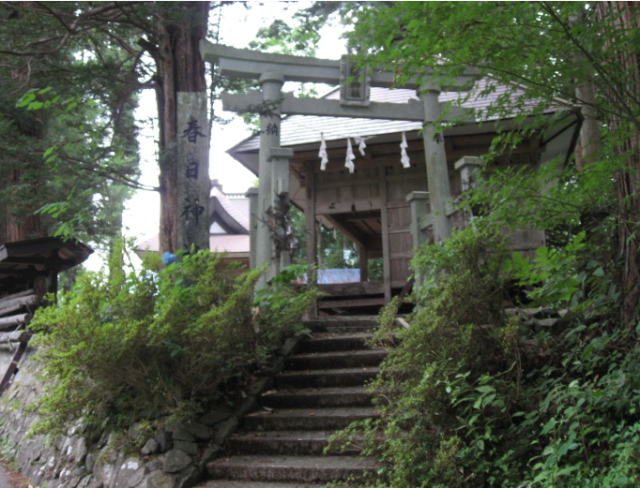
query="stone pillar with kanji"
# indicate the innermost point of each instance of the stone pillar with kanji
(193, 171)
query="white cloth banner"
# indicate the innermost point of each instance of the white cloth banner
(361, 144)
(348, 162)
(404, 157)
(323, 152)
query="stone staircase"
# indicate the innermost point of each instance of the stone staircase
(320, 391)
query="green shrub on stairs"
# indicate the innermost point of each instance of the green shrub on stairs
(160, 341)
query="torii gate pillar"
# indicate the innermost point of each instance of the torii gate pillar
(271, 84)
(436, 160)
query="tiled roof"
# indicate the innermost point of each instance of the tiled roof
(304, 129)
(235, 207)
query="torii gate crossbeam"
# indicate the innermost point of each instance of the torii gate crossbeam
(274, 69)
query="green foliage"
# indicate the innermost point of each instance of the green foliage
(282, 304)
(156, 341)
(470, 397)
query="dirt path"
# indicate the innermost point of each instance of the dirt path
(9, 478)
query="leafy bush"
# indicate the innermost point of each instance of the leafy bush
(471, 397)
(155, 341)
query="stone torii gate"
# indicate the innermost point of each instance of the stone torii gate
(272, 70)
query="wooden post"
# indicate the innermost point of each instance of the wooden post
(384, 220)
(279, 157)
(252, 195)
(436, 160)
(363, 259)
(310, 221)
(418, 201)
(193, 171)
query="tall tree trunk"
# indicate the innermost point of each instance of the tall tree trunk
(21, 225)
(180, 68)
(626, 16)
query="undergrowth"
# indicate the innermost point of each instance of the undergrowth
(164, 340)
(470, 396)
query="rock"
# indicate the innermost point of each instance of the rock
(85, 482)
(150, 447)
(127, 469)
(176, 461)
(138, 431)
(180, 432)
(224, 430)
(275, 367)
(546, 313)
(200, 431)
(189, 477)
(90, 461)
(290, 346)
(158, 479)
(96, 484)
(248, 405)
(80, 450)
(209, 455)
(136, 478)
(164, 440)
(259, 386)
(216, 416)
(155, 464)
(190, 448)
(71, 482)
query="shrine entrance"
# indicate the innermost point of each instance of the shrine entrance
(386, 203)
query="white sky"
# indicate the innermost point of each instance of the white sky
(238, 27)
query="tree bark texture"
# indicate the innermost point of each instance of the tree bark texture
(180, 67)
(626, 15)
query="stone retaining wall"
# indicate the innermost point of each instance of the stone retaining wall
(154, 454)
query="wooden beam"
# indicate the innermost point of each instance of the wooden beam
(248, 64)
(360, 302)
(349, 206)
(386, 260)
(353, 289)
(15, 336)
(356, 239)
(413, 110)
(22, 318)
(15, 304)
(13, 367)
(16, 295)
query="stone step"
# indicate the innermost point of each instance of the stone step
(326, 377)
(254, 484)
(356, 396)
(340, 359)
(342, 324)
(290, 443)
(298, 469)
(306, 418)
(334, 342)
